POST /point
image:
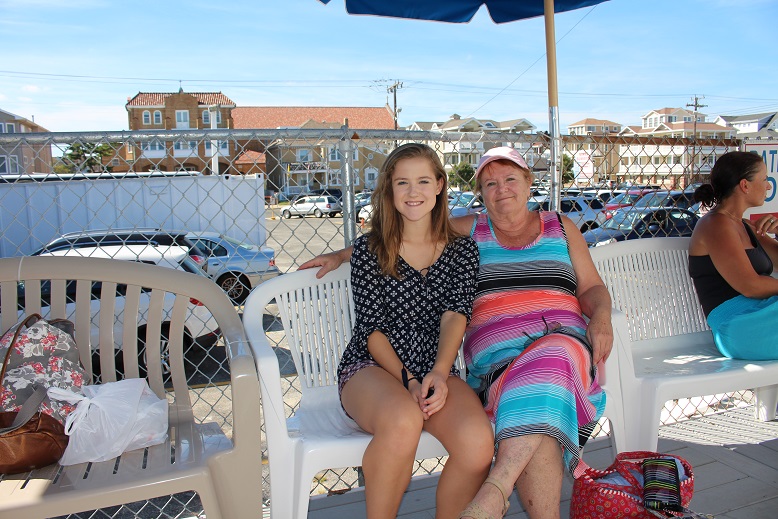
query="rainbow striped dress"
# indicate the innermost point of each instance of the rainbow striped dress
(531, 379)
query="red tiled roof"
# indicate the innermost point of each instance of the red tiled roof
(158, 98)
(596, 122)
(251, 157)
(369, 118)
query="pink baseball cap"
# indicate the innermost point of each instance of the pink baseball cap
(501, 153)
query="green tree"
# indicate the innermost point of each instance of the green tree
(567, 169)
(88, 157)
(462, 175)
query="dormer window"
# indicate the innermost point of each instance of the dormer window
(146, 117)
(157, 117)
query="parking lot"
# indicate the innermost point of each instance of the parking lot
(297, 240)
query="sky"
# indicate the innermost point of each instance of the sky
(72, 65)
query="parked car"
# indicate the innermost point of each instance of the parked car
(630, 223)
(237, 267)
(365, 214)
(604, 195)
(681, 199)
(465, 203)
(317, 206)
(359, 197)
(337, 193)
(200, 327)
(116, 237)
(581, 210)
(625, 199)
(359, 204)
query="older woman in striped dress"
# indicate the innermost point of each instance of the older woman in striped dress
(530, 354)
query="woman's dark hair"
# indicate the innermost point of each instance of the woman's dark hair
(726, 174)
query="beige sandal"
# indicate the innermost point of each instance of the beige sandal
(476, 511)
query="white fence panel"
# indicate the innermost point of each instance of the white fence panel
(33, 213)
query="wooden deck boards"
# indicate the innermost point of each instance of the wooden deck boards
(735, 460)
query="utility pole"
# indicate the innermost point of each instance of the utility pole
(696, 105)
(393, 90)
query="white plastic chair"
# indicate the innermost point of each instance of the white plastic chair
(666, 349)
(318, 317)
(226, 473)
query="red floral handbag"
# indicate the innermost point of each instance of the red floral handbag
(595, 498)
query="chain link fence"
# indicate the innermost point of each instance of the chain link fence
(251, 204)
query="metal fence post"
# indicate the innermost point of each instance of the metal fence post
(347, 164)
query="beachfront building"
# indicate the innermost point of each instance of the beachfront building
(296, 164)
(27, 159)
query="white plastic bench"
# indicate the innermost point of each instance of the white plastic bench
(225, 473)
(666, 349)
(317, 317)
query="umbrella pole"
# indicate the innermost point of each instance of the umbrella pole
(553, 106)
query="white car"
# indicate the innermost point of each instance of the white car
(583, 211)
(237, 267)
(199, 327)
(317, 205)
(366, 213)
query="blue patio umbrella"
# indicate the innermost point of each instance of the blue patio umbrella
(501, 11)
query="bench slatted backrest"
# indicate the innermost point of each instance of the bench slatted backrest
(648, 280)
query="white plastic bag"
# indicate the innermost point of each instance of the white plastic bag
(112, 418)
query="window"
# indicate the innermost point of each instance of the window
(2, 128)
(182, 119)
(157, 117)
(146, 117)
(222, 145)
(335, 154)
(206, 117)
(687, 119)
(9, 164)
(191, 145)
(10, 128)
(115, 163)
(303, 155)
(155, 145)
(590, 128)
(671, 118)
(657, 160)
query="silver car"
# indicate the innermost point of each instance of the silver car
(237, 267)
(317, 205)
(581, 210)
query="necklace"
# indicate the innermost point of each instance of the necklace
(426, 269)
(722, 210)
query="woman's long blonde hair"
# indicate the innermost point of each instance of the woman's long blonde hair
(385, 237)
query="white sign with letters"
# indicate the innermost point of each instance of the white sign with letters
(769, 152)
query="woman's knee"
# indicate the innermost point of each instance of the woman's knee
(402, 422)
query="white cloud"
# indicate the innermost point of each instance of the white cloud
(31, 88)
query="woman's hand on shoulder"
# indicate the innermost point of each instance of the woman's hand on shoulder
(767, 224)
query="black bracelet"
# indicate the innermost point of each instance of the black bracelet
(406, 380)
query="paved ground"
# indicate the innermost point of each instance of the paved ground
(735, 461)
(297, 240)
